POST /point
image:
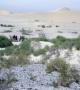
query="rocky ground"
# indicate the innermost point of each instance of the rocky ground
(34, 77)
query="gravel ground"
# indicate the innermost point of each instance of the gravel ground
(34, 77)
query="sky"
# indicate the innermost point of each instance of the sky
(37, 5)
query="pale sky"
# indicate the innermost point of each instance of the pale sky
(37, 5)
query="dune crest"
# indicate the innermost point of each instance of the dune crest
(64, 9)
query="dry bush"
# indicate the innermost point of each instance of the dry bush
(68, 74)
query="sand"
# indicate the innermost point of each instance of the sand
(65, 22)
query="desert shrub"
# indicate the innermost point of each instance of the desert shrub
(4, 42)
(57, 26)
(10, 50)
(61, 39)
(68, 44)
(62, 42)
(14, 60)
(43, 26)
(18, 54)
(67, 74)
(77, 43)
(58, 64)
(25, 47)
(1, 53)
(2, 62)
(74, 75)
(58, 41)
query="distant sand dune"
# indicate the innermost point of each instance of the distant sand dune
(67, 20)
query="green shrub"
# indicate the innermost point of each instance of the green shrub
(9, 50)
(62, 42)
(61, 66)
(18, 54)
(58, 41)
(74, 75)
(58, 64)
(14, 60)
(5, 42)
(1, 53)
(25, 47)
(2, 62)
(68, 44)
(77, 43)
(68, 75)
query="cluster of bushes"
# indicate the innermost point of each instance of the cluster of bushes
(24, 47)
(18, 54)
(68, 74)
(14, 60)
(22, 51)
(59, 41)
(63, 42)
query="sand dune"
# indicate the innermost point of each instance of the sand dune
(67, 20)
